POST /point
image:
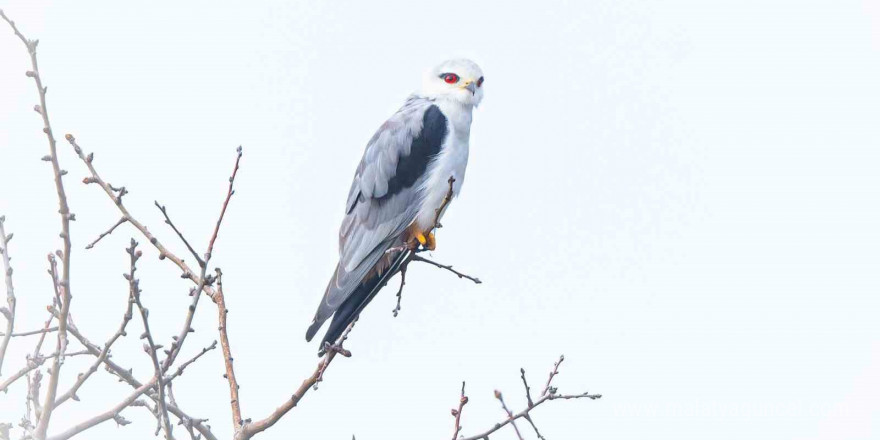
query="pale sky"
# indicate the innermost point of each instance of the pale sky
(681, 197)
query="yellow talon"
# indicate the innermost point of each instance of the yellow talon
(430, 242)
(425, 240)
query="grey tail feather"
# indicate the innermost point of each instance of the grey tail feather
(352, 307)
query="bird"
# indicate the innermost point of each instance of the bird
(409, 167)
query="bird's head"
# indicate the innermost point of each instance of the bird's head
(459, 80)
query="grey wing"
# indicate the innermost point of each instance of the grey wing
(384, 198)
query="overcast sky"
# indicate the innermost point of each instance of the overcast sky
(681, 197)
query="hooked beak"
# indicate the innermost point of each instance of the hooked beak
(472, 86)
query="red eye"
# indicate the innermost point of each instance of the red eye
(480, 82)
(450, 78)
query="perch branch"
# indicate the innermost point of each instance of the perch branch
(447, 267)
(414, 248)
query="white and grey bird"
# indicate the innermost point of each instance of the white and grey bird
(401, 181)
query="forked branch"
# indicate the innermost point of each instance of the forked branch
(550, 393)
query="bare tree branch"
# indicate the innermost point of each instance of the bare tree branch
(414, 248)
(150, 347)
(32, 364)
(9, 310)
(251, 429)
(443, 266)
(83, 377)
(126, 376)
(66, 217)
(183, 366)
(110, 414)
(548, 394)
(522, 375)
(168, 222)
(509, 414)
(164, 252)
(396, 309)
(107, 232)
(222, 311)
(457, 412)
(553, 374)
(32, 332)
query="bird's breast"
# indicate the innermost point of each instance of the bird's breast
(450, 162)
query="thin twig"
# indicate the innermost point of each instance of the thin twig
(32, 332)
(83, 377)
(548, 395)
(447, 267)
(111, 414)
(107, 232)
(179, 234)
(553, 374)
(32, 364)
(229, 194)
(125, 375)
(400, 290)
(522, 375)
(183, 366)
(150, 348)
(509, 414)
(164, 252)
(526, 411)
(457, 412)
(9, 310)
(177, 343)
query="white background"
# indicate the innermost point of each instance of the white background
(681, 197)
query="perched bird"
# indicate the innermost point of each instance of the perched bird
(398, 187)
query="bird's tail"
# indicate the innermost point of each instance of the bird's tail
(355, 303)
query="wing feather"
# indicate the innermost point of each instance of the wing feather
(384, 198)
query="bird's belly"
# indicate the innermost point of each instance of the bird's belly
(451, 163)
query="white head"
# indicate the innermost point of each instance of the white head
(459, 80)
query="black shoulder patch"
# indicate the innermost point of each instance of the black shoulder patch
(424, 147)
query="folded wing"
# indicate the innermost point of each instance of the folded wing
(383, 201)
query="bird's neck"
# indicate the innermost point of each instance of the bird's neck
(459, 115)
